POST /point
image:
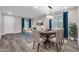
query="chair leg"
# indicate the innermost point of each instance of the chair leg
(57, 47)
(53, 43)
(49, 45)
(33, 44)
(45, 45)
(60, 45)
(62, 42)
(38, 47)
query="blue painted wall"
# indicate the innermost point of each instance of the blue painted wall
(29, 23)
(50, 24)
(22, 24)
(65, 24)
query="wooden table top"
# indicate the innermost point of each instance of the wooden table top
(54, 30)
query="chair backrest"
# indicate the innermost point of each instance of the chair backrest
(36, 36)
(62, 32)
(59, 35)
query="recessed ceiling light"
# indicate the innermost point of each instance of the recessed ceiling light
(10, 13)
(50, 16)
(65, 7)
(35, 7)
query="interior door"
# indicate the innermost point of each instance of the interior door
(8, 24)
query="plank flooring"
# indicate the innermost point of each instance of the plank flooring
(18, 42)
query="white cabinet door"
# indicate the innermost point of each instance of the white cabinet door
(8, 24)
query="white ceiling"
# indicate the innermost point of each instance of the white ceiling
(31, 11)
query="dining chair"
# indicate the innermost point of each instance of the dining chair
(37, 39)
(62, 36)
(57, 39)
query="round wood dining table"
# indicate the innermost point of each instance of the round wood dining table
(47, 35)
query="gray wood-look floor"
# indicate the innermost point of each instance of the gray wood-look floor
(17, 42)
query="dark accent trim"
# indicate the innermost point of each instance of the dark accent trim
(65, 24)
(29, 20)
(22, 24)
(50, 24)
(38, 47)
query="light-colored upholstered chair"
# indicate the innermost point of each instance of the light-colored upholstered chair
(57, 40)
(62, 36)
(37, 39)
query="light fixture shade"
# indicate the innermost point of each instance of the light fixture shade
(50, 17)
(39, 22)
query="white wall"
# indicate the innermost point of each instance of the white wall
(8, 24)
(0, 25)
(78, 26)
(72, 17)
(44, 19)
(16, 24)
